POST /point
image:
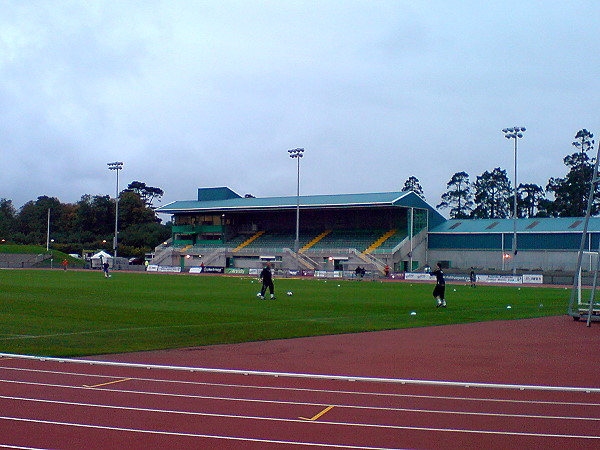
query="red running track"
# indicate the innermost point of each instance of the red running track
(49, 404)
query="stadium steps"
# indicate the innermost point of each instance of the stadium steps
(248, 241)
(315, 240)
(393, 241)
(185, 249)
(371, 260)
(380, 241)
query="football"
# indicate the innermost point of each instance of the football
(290, 293)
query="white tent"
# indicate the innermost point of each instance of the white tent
(100, 258)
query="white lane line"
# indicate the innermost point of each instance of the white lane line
(319, 391)
(292, 403)
(521, 387)
(429, 429)
(20, 447)
(193, 435)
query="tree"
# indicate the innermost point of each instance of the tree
(146, 193)
(32, 219)
(528, 198)
(94, 218)
(545, 208)
(458, 196)
(7, 218)
(133, 210)
(572, 191)
(89, 222)
(492, 194)
(145, 236)
(412, 185)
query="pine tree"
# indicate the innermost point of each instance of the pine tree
(412, 184)
(458, 196)
(529, 197)
(492, 195)
(571, 192)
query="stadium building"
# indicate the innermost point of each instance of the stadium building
(223, 230)
(336, 233)
(543, 244)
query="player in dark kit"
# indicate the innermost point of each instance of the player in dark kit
(473, 278)
(267, 282)
(439, 292)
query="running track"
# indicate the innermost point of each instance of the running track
(46, 403)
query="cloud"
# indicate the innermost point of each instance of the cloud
(191, 94)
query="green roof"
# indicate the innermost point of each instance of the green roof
(526, 225)
(240, 204)
(312, 201)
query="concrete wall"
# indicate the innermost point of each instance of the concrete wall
(546, 260)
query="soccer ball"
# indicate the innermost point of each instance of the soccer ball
(258, 295)
(290, 293)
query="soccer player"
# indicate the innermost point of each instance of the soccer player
(105, 267)
(473, 278)
(439, 292)
(267, 282)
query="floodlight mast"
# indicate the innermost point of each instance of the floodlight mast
(297, 153)
(584, 239)
(116, 166)
(515, 133)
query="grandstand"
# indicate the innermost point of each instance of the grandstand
(337, 232)
(341, 232)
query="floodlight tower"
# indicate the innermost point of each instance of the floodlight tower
(515, 133)
(116, 166)
(297, 153)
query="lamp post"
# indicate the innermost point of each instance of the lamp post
(515, 133)
(48, 232)
(116, 166)
(297, 153)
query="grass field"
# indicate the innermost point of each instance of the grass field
(76, 313)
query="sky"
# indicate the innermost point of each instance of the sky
(191, 94)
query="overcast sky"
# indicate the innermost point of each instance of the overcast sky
(198, 93)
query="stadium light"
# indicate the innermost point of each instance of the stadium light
(116, 166)
(515, 133)
(48, 232)
(297, 153)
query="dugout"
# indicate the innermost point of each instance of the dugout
(222, 228)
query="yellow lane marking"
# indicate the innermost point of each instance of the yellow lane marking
(110, 382)
(329, 408)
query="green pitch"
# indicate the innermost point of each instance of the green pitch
(76, 313)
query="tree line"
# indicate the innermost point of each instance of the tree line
(88, 224)
(491, 195)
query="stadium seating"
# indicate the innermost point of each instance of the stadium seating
(392, 241)
(319, 240)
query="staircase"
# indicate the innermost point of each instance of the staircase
(377, 264)
(164, 254)
(248, 241)
(379, 241)
(315, 240)
(306, 262)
